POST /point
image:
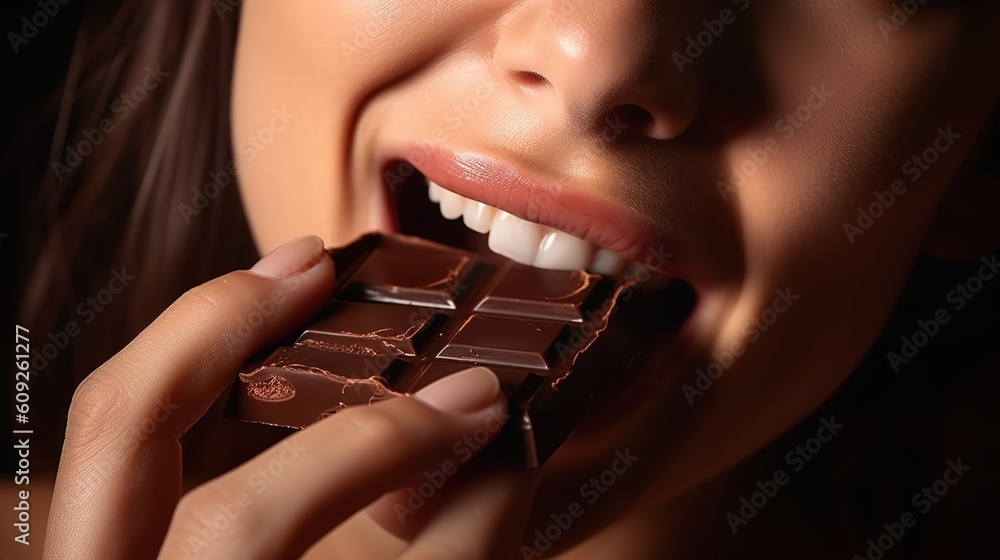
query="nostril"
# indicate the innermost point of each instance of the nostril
(636, 114)
(626, 119)
(529, 79)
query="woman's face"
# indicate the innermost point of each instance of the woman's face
(726, 143)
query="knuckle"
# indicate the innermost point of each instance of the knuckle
(233, 308)
(98, 409)
(205, 298)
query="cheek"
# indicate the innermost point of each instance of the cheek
(844, 118)
(813, 298)
(284, 128)
(318, 62)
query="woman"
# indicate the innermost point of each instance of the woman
(786, 160)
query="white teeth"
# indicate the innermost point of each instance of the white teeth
(515, 238)
(478, 216)
(434, 191)
(523, 241)
(452, 205)
(561, 251)
(606, 262)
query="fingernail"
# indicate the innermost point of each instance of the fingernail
(291, 258)
(464, 392)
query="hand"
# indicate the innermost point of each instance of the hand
(119, 496)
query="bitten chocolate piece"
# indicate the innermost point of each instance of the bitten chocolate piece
(406, 312)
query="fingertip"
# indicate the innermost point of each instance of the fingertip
(294, 257)
(464, 392)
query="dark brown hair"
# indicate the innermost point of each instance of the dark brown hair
(140, 122)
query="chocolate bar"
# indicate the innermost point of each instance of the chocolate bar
(406, 312)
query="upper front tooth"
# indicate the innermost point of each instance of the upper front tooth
(561, 251)
(607, 262)
(524, 241)
(452, 205)
(478, 216)
(515, 238)
(434, 191)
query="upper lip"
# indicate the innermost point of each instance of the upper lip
(500, 184)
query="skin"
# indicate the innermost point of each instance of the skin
(360, 77)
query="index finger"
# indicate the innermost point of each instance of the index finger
(121, 457)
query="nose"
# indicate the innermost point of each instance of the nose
(605, 63)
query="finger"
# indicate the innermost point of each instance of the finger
(121, 458)
(483, 519)
(281, 502)
(406, 512)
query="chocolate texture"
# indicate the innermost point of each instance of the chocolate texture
(406, 312)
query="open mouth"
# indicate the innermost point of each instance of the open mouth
(454, 205)
(477, 203)
(426, 209)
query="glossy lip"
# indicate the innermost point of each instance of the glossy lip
(502, 185)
